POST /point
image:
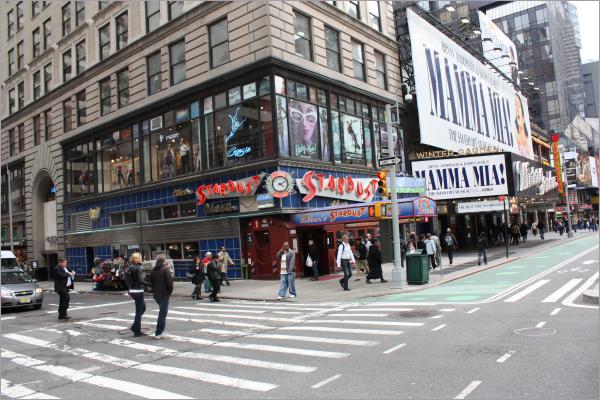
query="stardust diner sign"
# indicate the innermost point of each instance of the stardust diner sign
(342, 215)
(231, 188)
(314, 184)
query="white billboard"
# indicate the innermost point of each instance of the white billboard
(462, 103)
(482, 206)
(492, 37)
(454, 178)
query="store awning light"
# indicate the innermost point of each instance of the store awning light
(486, 39)
(450, 8)
(464, 20)
(477, 31)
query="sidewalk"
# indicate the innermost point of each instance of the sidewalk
(328, 288)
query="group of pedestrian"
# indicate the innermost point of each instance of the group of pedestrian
(210, 272)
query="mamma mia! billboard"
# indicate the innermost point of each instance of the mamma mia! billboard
(462, 103)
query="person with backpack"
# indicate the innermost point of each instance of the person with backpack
(197, 276)
(361, 259)
(135, 284)
(344, 261)
(482, 245)
(162, 288)
(451, 244)
(213, 271)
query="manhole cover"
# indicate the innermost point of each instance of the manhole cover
(535, 331)
(414, 314)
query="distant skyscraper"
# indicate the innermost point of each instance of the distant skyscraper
(591, 83)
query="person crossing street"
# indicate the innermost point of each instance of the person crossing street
(344, 261)
(63, 278)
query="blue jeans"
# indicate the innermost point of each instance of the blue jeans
(315, 269)
(347, 268)
(482, 252)
(140, 309)
(287, 281)
(163, 306)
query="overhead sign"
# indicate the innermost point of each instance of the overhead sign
(408, 184)
(593, 171)
(462, 104)
(350, 214)
(557, 165)
(531, 178)
(241, 187)
(455, 178)
(492, 37)
(413, 207)
(395, 160)
(481, 206)
(314, 184)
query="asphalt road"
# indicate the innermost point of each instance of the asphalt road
(528, 339)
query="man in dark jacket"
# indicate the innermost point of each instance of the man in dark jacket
(162, 287)
(63, 278)
(374, 260)
(482, 245)
(313, 253)
(135, 284)
(213, 271)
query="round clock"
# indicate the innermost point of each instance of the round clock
(280, 184)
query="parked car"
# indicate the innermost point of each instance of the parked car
(19, 289)
(9, 260)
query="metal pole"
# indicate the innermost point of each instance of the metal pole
(570, 233)
(397, 276)
(10, 214)
(505, 225)
(400, 138)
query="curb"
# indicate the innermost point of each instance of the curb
(591, 296)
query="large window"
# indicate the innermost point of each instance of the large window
(67, 115)
(332, 48)
(37, 85)
(35, 8)
(80, 169)
(175, 9)
(66, 19)
(118, 160)
(122, 30)
(11, 62)
(302, 36)
(21, 94)
(47, 33)
(219, 43)
(352, 8)
(177, 61)
(380, 70)
(154, 75)
(171, 148)
(122, 88)
(17, 193)
(373, 15)
(104, 41)
(37, 130)
(20, 55)
(358, 60)
(47, 125)
(21, 130)
(67, 67)
(81, 108)
(79, 12)
(20, 16)
(12, 142)
(152, 15)
(47, 78)
(81, 58)
(36, 42)
(12, 99)
(10, 17)
(105, 101)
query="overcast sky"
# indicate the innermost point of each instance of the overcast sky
(588, 24)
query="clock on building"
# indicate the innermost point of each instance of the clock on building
(280, 184)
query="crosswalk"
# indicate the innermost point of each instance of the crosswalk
(204, 343)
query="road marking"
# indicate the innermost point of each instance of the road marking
(326, 381)
(466, 391)
(447, 309)
(473, 310)
(73, 375)
(555, 311)
(527, 291)
(91, 369)
(540, 324)
(394, 348)
(6, 318)
(379, 309)
(505, 356)
(349, 342)
(340, 330)
(436, 316)
(222, 309)
(210, 321)
(437, 328)
(259, 317)
(347, 321)
(587, 284)
(358, 315)
(291, 307)
(95, 306)
(588, 262)
(554, 297)
(21, 392)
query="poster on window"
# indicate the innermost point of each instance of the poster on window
(239, 127)
(324, 121)
(584, 173)
(462, 103)
(352, 138)
(282, 126)
(304, 129)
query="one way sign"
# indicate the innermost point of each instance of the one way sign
(395, 160)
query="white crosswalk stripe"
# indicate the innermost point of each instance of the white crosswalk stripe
(22, 392)
(341, 330)
(528, 290)
(563, 290)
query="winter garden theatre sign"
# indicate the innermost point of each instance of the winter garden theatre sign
(463, 177)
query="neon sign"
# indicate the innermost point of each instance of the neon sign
(348, 188)
(237, 152)
(235, 125)
(242, 187)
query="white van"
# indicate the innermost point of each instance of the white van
(9, 260)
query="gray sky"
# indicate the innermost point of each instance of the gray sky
(588, 25)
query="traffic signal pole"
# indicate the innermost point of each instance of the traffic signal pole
(397, 280)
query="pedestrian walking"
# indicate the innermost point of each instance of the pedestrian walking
(286, 259)
(421, 244)
(430, 249)
(162, 288)
(374, 260)
(197, 275)
(313, 259)
(523, 228)
(135, 285)
(534, 228)
(360, 255)
(515, 232)
(227, 261)
(438, 249)
(213, 272)
(451, 244)
(368, 242)
(63, 279)
(412, 243)
(541, 227)
(344, 261)
(561, 228)
(482, 245)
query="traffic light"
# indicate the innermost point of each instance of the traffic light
(382, 184)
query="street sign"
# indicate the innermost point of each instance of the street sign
(395, 160)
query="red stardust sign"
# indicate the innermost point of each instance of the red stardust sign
(346, 188)
(242, 187)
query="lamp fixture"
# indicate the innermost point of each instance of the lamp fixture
(450, 8)
(531, 83)
(512, 63)
(464, 20)
(486, 39)
(520, 72)
(476, 31)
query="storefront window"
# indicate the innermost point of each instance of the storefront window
(154, 214)
(324, 125)
(170, 212)
(171, 151)
(117, 165)
(337, 141)
(80, 170)
(190, 250)
(174, 251)
(282, 126)
(187, 209)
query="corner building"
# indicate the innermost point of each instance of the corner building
(119, 113)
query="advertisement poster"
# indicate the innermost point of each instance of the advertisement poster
(352, 138)
(453, 178)
(593, 171)
(462, 103)
(584, 173)
(304, 129)
(505, 60)
(282, 126)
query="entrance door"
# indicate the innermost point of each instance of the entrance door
(318, 236)
(89, 256)
(262, 255)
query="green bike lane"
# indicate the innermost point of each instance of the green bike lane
(490, 283)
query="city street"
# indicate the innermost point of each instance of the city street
(519, 330)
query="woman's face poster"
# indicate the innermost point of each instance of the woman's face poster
(304, 131)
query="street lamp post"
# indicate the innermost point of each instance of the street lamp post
(570, 232)
(397, 280)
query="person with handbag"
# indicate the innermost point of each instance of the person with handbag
(360, 255)
(213, 271)
(313, 259)
(197, 276)
(345, 260)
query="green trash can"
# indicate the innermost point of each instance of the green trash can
(417, 269)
